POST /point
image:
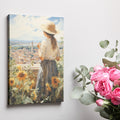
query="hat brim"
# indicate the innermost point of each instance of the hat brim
(48, 31)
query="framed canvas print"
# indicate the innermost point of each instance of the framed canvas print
(36, 59)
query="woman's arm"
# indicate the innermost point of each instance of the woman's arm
(41, 58)
(41, 50)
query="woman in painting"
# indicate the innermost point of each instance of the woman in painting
(48, 53)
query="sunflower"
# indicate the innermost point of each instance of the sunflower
(11, 81)
(55, 82)
(48, 87)
(19, 86)
(33, 82)
(31, 87)
(19, 67)
(21, 75)
(34, 95)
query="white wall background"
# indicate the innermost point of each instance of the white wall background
(86, 23)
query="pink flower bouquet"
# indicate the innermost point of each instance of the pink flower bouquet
(106, 84)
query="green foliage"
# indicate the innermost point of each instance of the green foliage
(84, 96)
(88, 83)
(116, 43)
(87, 98)
(78, 71)
(84, 70)
(24, 91)
(104, 44)
(118, 57)
(91, 69)
(107, 110)
(77, 92)
(99, 108)
(104, 114)
(110, 53)
(76, 76)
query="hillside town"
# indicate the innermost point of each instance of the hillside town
(27, 55)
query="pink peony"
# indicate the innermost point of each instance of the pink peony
(98, 67)
(115, 96)
(114, 74)
(101, 102)
(104, 87)
(116, 82)
(118, 65)
(99, 75)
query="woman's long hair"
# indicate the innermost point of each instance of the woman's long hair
(53, 40)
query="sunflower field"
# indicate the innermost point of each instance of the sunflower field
(22, 85)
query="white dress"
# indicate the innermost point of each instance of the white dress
(48, 67)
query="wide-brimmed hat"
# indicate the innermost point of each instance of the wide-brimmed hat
(49, 27)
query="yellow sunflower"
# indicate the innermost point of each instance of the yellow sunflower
(19, 86)
(19, 67)
(55, 81)
(11, 81)
(21, 75)
(31, 87)
(33, 82)
(48, 87)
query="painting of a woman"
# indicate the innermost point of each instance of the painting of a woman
(36, 58)
(48, 53)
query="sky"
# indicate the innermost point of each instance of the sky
(24, 27)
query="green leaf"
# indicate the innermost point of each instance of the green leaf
(77, 92)
(84, 82)
(77, 70)
(104, 114)
(98, 109)
(110, 53)
(84, 70)
(104, 44)
(88, 76)
(76, 76)
(116, 43)
(118, 57)
(115, 49)
(80, 80)
(88, 83)
(91, 69)
(87, 98)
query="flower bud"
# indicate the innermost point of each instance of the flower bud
(101, 102)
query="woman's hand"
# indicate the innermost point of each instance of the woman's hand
(41, 58)
(57, 58)
(38, 45)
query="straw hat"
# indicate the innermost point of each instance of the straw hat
(49, 27)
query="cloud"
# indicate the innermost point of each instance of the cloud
(60, 29)
(28, 27)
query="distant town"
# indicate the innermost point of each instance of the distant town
(27, 53)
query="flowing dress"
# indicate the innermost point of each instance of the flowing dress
(48, 68)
